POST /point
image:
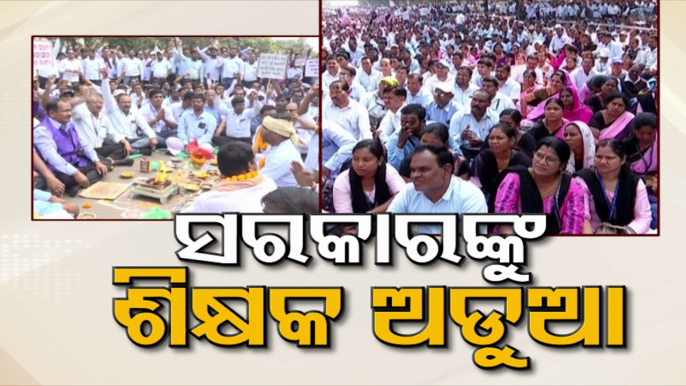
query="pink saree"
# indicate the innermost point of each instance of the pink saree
(617, 126)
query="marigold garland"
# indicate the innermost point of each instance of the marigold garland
(260, 146)
(242, 177)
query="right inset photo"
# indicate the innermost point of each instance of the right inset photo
(524, 106)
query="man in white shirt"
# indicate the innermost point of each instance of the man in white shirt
(127, 122)
(464, 89)
(231, 67)
(133, 68)
(96, 131)
(71, 67)
(582, 74)
(160, 118)
(348, 75)
(507, 85)
(435, 189)
(238, 121)
(349, 114)
(332, 73)
(416, 94)
(211, 65)
(250, 71)
(196, 125)
(499, 101)
(92, 66)
(559, 40)
(367, 76)
(161, 69)
(471, 126)
(390, 123)
(442, 75)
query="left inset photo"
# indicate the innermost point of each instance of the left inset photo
(129, 128)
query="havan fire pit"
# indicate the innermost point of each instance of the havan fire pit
(145, 187)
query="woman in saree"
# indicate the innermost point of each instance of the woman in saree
(529, 85)
(553, 122)
(499, 155)
(615, 121)
(525, 142)
(544, 187)
(558, 81)
(615, 195)
(574, 110)
(597, 102)
(641, 147)
(581, 141)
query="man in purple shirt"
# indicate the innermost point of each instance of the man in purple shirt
(58, 144)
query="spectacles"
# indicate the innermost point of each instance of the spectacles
(547, 159)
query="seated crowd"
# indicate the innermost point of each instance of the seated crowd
(98, 107)
(432, 111)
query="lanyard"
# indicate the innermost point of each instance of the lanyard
(647, 165)
(614, 199)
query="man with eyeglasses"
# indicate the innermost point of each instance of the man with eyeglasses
(348, 76)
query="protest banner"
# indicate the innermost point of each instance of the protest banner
(312, 68)
(272, 66)
(42, 54)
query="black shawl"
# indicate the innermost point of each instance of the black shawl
(381, 191)
(624, 201)
(530, 197)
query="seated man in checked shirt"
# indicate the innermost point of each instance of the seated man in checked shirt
(76, 165)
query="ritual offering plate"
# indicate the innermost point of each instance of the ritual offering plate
(202, 175)
(176, 160)
(213, 173)
(206, 187)
(148, 188)
(191, 187)
(87, 216)
(127, 175)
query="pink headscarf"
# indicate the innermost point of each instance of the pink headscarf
(579, 112)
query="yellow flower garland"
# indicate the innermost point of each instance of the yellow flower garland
(243, 177)
(259, 146)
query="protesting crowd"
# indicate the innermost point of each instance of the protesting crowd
(99, 106)
(521, 107)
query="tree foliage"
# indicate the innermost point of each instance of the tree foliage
(264, 44)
